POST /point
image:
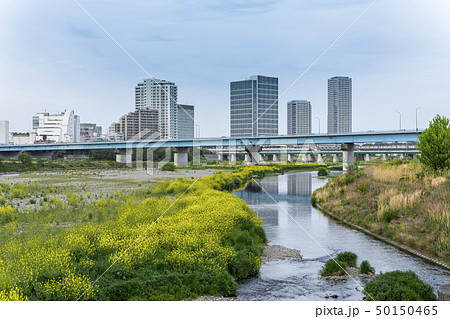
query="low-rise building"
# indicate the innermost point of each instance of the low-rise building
(57, 128)
(22, 138)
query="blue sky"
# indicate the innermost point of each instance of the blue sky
(53, 57)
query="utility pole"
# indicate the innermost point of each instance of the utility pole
(417, 108)
(400, 120)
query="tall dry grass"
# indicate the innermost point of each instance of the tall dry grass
(393, 199)
(393, 174)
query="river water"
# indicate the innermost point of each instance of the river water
(320, 236)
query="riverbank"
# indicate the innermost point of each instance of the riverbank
(58, 236)
(395, 202)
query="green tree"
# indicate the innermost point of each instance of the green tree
(434, 144)
(25, 159)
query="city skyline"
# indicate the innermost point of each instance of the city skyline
(397, 52)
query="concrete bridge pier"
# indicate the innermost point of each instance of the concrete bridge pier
(335, 158)
(289, 158)
(319, 158)
(180, 156)
(220, 157)
(253, 155)
(384, 157)
(348, 155)
(124, 156)
(233, 158)
(304, 158)
(367, 158)
(78, 154)
(275, 158)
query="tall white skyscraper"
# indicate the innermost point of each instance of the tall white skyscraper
(339, 104)
(160, 95)
(4, 132)
(299, 117)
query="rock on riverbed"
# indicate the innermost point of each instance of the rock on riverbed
(277, 252)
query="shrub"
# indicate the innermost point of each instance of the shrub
(25, 159)
(6, 213)
(244, 265)
(362, 188)
(389, 215)
(366, 268)
(322, 171)
(348, 257)
(398, 286)
(169, 166)
(333, 267)
(16, 192)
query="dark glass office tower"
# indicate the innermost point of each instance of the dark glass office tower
(254, 106)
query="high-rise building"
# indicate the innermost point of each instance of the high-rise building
(339, 104)
(254, 106)
(114, 133)
(140, 124)
(57, 128)
(186, 125)
(298, 117)
(90, 132)
(4, 132)
(160, 95)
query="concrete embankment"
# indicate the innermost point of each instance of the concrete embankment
(403, 247)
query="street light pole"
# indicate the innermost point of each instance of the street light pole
(400, 119)
(319, 123)
(417, 108)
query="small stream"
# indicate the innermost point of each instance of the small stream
(298, 280)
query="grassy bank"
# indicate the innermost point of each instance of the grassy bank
(397, 200)
(16, 166)
(159, 247)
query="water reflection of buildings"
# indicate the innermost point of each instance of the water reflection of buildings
(269, 215)
(299, 184)
(292, 187)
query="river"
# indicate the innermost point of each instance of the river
(320, 236)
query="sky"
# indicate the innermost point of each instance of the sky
(54, 57)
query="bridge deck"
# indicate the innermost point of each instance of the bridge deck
(338, 138)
